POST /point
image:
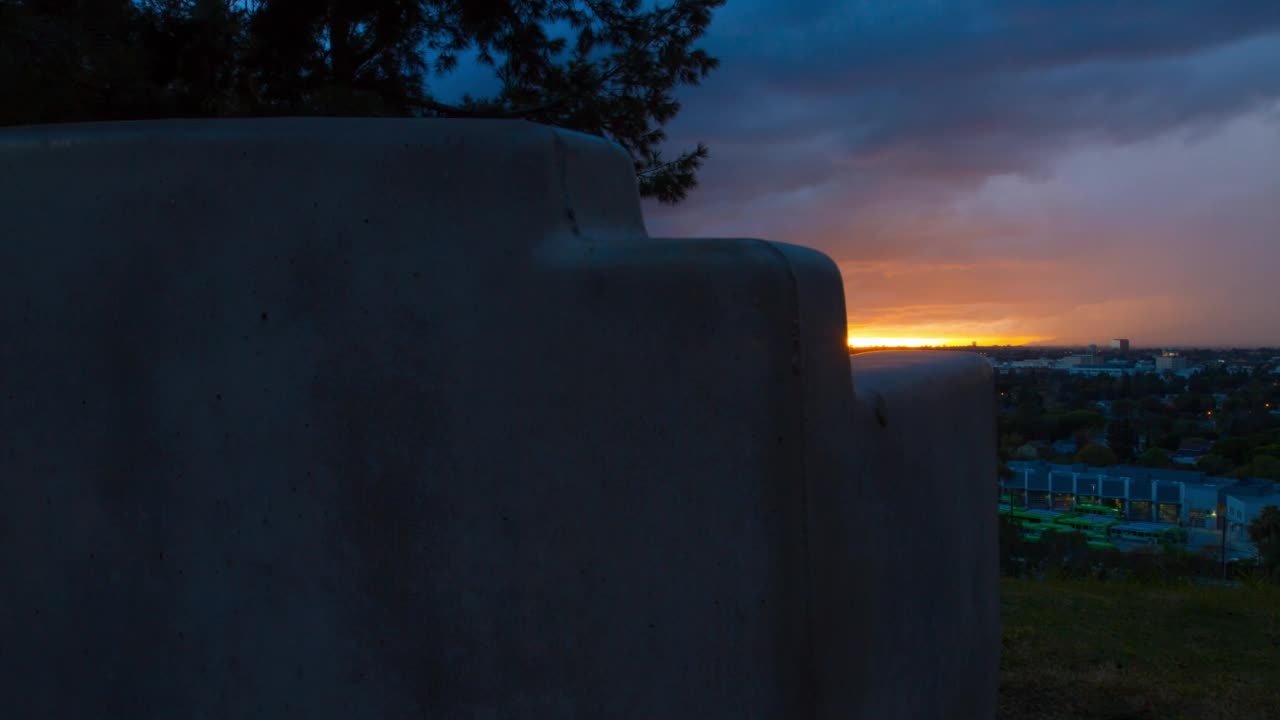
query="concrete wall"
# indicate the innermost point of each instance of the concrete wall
(391, 418)
(905, 547)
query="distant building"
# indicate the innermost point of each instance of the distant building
(1245, 501)
(1067, 446)
(1190, 452)
(1171, 361)
(1095, 370)
(1171, 497)
(1075, 365)
(1090, 359)
(1120, 345)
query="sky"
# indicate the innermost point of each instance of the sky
(1041, 171)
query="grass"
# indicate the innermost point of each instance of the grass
(1092, 649)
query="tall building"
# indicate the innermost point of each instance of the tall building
(1120, 345)
(1171, 361)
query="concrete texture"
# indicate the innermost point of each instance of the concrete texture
(914, 631)
(389, 418)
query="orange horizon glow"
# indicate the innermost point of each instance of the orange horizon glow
(863, 341)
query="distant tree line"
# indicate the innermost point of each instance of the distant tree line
(1150, 416)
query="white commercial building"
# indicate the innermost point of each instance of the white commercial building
(1242, 509)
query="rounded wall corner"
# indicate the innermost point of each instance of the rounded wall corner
(598, 187)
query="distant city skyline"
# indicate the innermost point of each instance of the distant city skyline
(906, 342)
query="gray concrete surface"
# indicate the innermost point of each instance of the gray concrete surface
(335, 418)
(915, 632)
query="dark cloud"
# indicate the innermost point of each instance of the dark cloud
(1010, 168)
(877, 43)
(1027, 168)
(869, 97)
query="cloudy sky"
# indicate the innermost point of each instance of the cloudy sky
(1031, 170)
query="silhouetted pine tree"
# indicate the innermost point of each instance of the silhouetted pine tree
(610, 68)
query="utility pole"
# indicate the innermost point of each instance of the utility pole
(1222, 518)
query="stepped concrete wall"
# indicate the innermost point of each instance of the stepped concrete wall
(913, 632)
(399, 418)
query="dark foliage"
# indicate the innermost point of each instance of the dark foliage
(614, 74)
(1264, 532)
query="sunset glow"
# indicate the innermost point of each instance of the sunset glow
(860, 341)
(1070, 189)
(865, 342)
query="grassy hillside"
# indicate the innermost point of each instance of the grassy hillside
(1089, 649)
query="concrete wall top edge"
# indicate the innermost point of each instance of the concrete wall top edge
(293, 126)
(807, 255)
(586, 184)
(371, 130)
(890, 370)
(794, 257)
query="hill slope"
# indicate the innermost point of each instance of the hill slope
(1086, 649)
